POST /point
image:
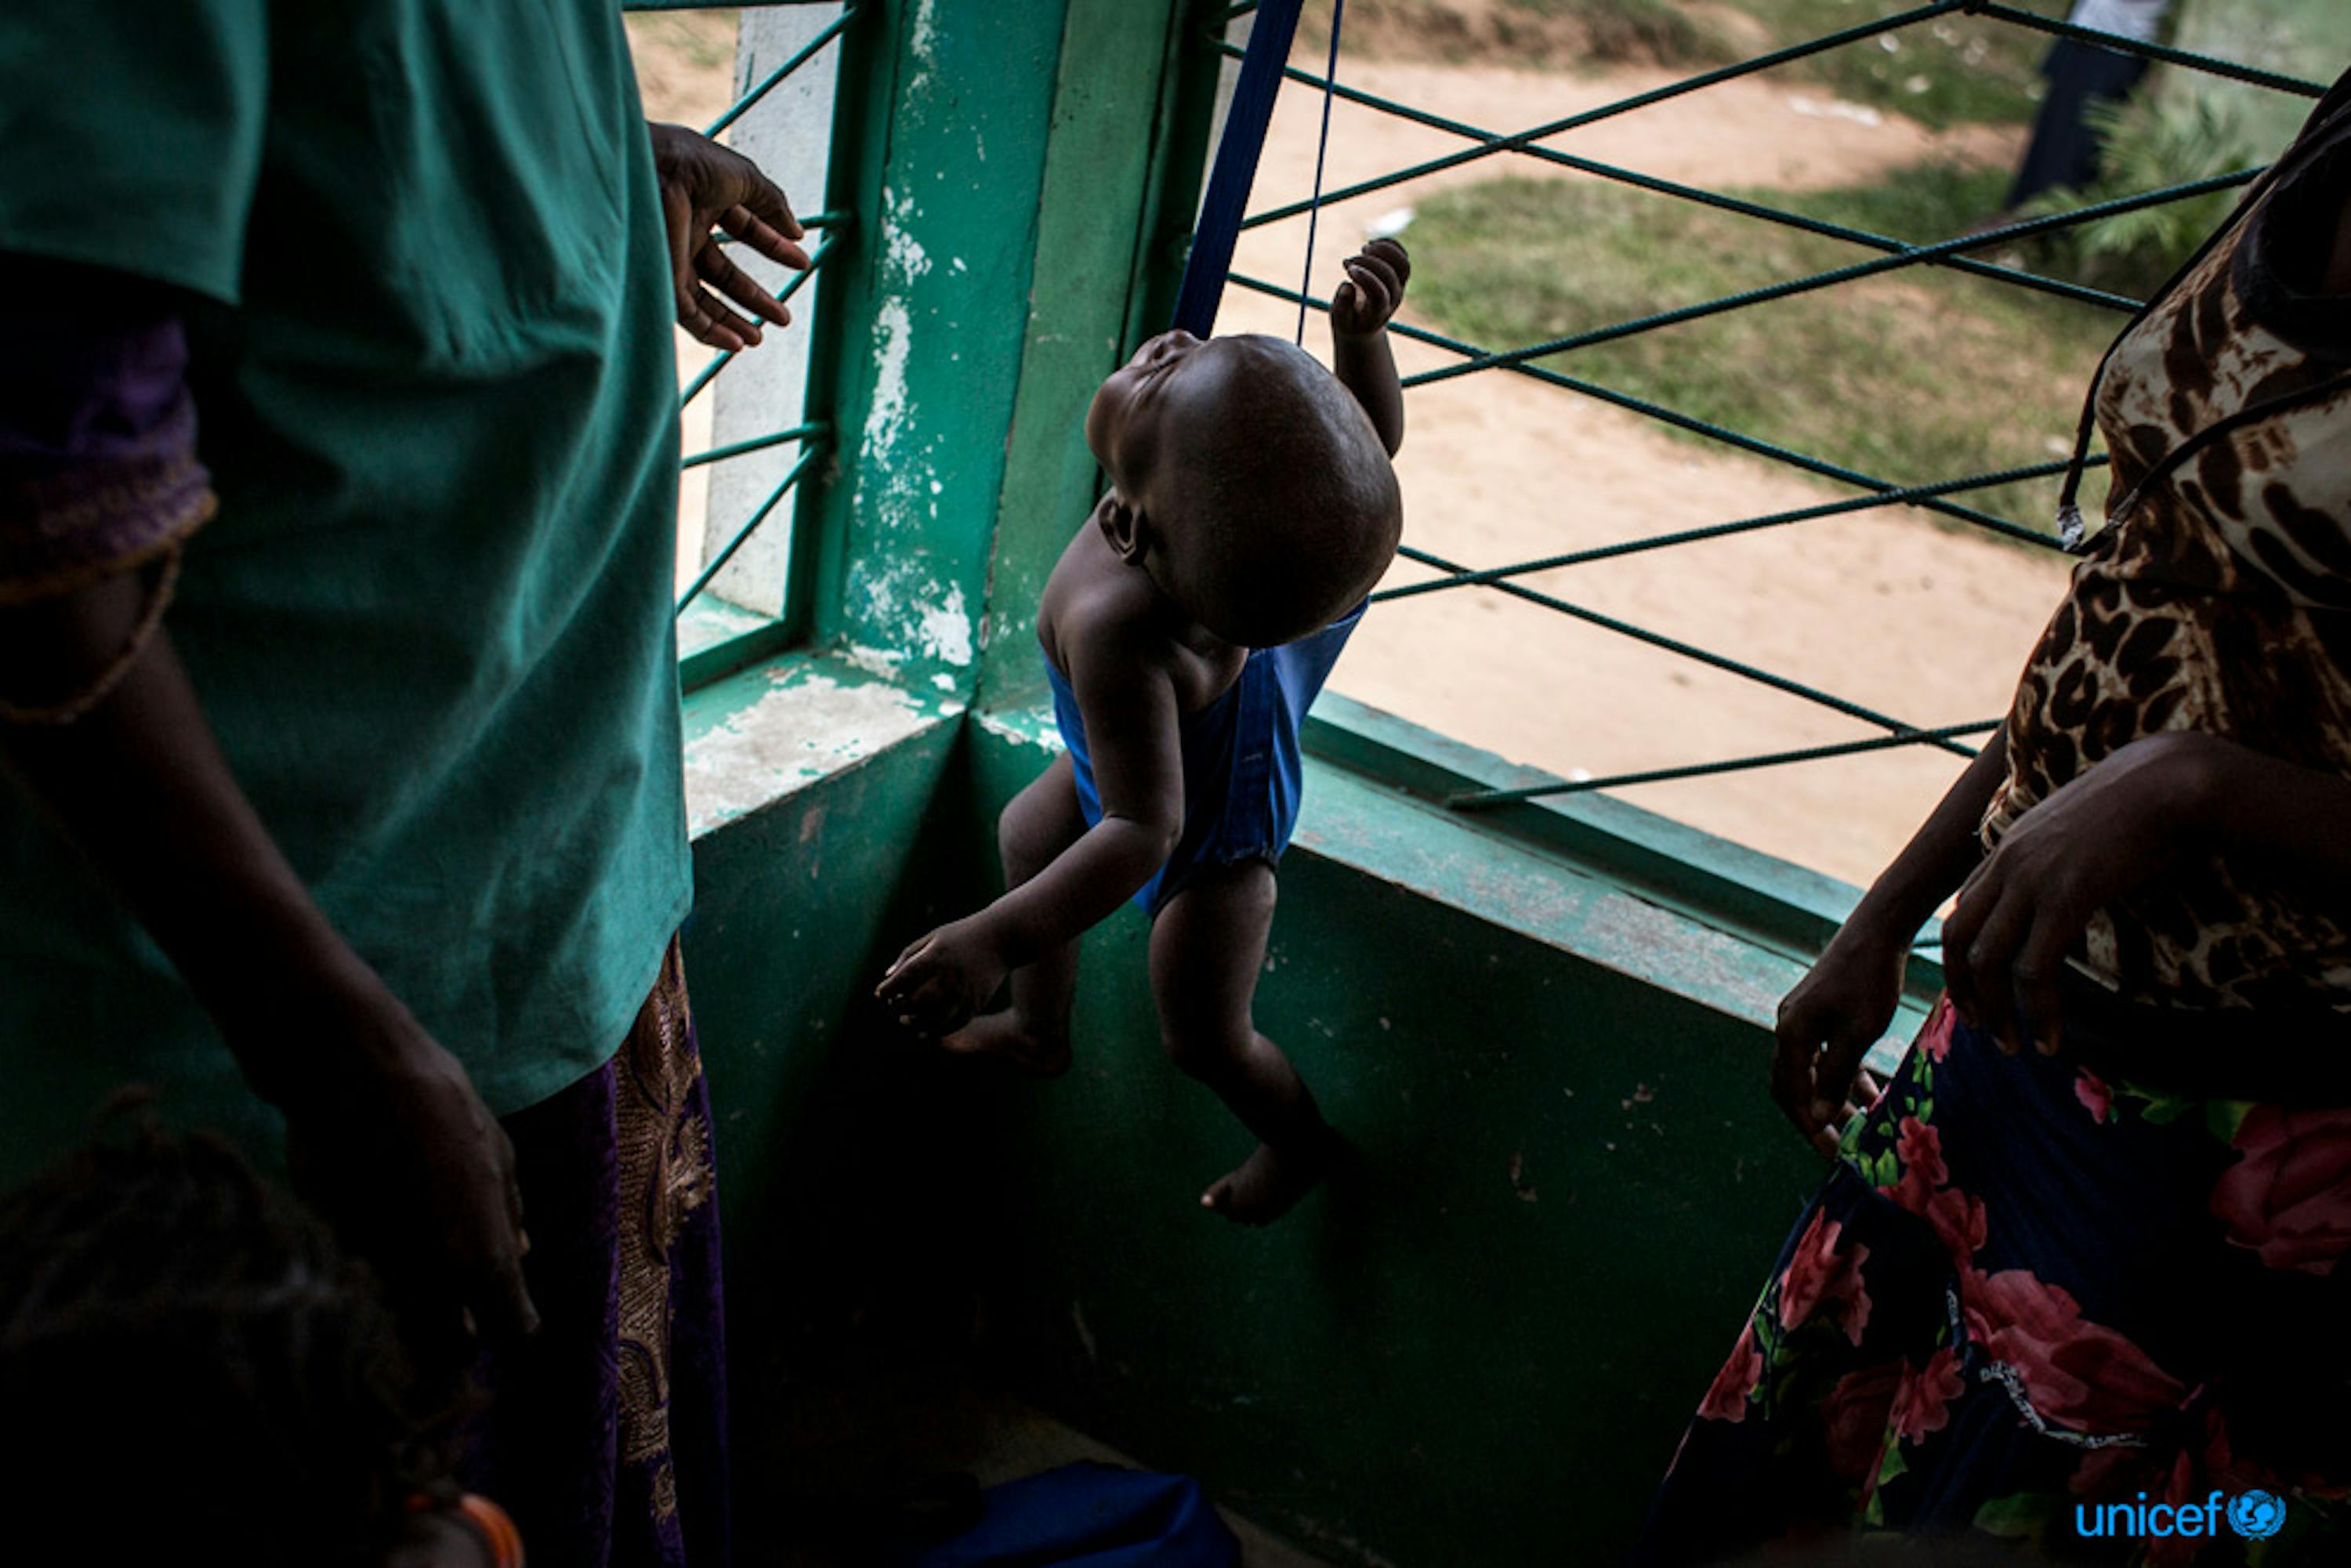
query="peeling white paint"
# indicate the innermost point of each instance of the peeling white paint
(902, 254)
(883, 662)
(943, 680)
(945, 630)
(1042, 737)
(801, 731)
(925, 36)
(888, 415)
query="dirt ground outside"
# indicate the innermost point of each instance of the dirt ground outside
(1883, 607)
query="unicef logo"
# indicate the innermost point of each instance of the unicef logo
(2256, 1515)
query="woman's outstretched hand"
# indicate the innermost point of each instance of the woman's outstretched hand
(707, 187)
(1827, 1024)
(2108, 832)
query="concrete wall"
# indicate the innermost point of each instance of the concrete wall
(1477, 1349)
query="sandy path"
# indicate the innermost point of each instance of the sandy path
(1886, 609)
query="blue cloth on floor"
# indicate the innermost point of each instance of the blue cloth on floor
(1242, 768)
(1090, 1516)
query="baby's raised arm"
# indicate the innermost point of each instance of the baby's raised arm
(1126, 694)
(1360, 355)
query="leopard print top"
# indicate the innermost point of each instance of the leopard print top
(2220, 600)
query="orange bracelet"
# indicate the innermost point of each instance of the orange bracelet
(497, 1527)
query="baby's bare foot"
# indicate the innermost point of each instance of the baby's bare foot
(1001, 1034)
(1270, 1181)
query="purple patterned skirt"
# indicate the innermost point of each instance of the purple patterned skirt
(605, 1437)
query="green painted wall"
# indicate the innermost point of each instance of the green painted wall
(792, 904)
(1478, 1350)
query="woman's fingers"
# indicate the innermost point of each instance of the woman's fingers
(502, 1304)
(1834, 1074)
(2039, 963)
(765, 237)
(716, 325)
(677, 220)
(767, 204)
(1958, 934)
(1991, 961)
(721, 273)
(1791, 1067)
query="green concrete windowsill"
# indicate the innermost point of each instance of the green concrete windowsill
(1699, 917)
(763, 734)
(1750, 924)
(1771, 901)
(1693, 914)
(715, 639)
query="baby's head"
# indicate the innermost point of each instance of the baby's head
(1248, 482)
(192, 1371)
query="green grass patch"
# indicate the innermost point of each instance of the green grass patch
(1658, 31)
(1951, 71)
(1914, 376)
(1580, 35)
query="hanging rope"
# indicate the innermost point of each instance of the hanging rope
(1263, 63)
(1322, 147)
(1221, 210)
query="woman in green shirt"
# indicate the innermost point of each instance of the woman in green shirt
(337, 465)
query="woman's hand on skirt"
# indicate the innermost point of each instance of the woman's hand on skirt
(1827, 1024)
(2117, 825)
(389, 1140)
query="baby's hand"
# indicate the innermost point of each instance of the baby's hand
(1375, 288)
(938, 984)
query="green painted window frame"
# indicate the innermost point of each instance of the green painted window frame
(715, 637)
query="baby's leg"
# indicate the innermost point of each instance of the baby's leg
(1033, 1033)
(1207, 948)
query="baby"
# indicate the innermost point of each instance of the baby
(1185, 630)
(192, 1371)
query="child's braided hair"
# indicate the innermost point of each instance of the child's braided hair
(190, 1370)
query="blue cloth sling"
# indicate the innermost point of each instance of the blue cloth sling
(1243, 771)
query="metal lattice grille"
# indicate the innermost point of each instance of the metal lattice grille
(1950, 498)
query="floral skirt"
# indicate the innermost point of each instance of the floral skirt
(2037, 1311)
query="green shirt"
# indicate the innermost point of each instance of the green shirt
(430, 319)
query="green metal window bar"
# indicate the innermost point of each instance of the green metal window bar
(1895, 254)
(813, 435)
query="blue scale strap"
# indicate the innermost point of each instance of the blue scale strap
(1246, 119)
